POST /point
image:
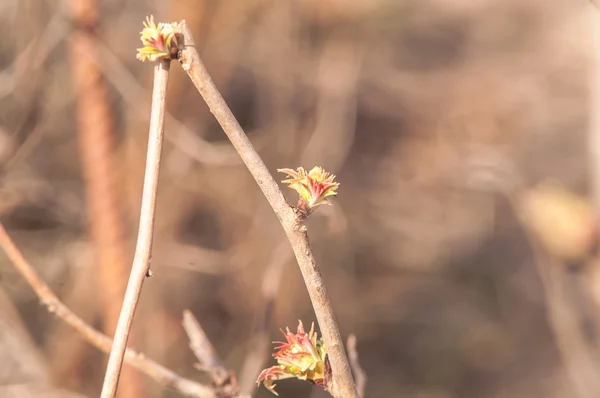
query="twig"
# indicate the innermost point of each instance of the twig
(202, 347)
(96, 133)
(294, 229)
(157, 372)
(223, 380)
(185, 139)
(141, 260)
(563, 320)
(593, 266)
(570, 339)
(359, 374)
(594, 113)
(501, 175)
(33, 56)
(259, 342)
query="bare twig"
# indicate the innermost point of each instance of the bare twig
(185, 139)
(34, 55)
(594, 115)
(359, 374)
(498, 173)
(202, 348)
(593, 280)
(96, 138)
(209, 361)
(560, 310)
(157, 372)
(294, 229)
(96, 133)
(564, 322)
(259, 342)
(141, 260)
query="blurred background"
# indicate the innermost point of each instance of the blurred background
(460, 249)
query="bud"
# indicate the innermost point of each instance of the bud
(159, 41)
(313, 188)
(303, 356)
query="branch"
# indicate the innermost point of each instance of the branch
(141, 260)
(359, 373)
(134, 95)
(260, 342)
(223, 380)
(294, 229)
(157, 372)
(96, 136)
(561, 310)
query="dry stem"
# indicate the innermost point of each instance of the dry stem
(563, 321)
(295, 231)
(141, 260)
(203, 348)
(209, 360)
(359, 374)
(157, 372)
(95, 128)
(259, 344)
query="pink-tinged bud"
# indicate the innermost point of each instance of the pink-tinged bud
(159, 41)
(301, 356)
(313, 187)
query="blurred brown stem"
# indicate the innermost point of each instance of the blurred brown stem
(259, 342)
(141, 260)
(208, 358)
(359, 374)
(561, 314)
(157, 372)
(95, 127)
(296, 232)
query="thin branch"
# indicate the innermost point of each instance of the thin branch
(141, 260)
(155, 371)
(560, 311)
(294, 229)
(594, 113)
(497, 173)
(259, 342)
(357, 370)
(96, 136)
(33, 56)
(134, 95)
(209, 361)
(564, 323)
(202, 348)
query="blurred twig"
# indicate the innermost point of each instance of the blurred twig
(337, 78)
(359, 373)
(570, 340)
(259, 342)
(209, 361)
(295, 230)
(157, 372)
(34, 55)
(500, 175)
(187, 141)
(95, 128)
(594, 115)
(593, 136)
(141, 262)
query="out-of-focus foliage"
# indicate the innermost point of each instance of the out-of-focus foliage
(565, 222)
